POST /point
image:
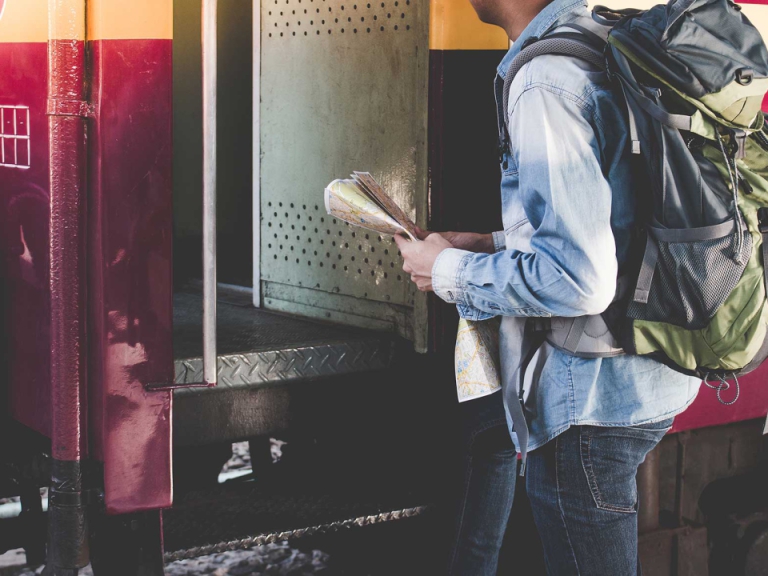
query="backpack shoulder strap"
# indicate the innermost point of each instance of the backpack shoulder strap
(576, 45)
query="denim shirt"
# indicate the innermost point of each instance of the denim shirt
(568, 206)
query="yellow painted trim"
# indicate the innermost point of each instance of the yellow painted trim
(28, 20)
(454, 25)
(24, 21)
(134, 20)
(66, 19)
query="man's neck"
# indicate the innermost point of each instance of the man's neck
(516, 16)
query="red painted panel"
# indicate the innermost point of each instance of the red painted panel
(131, 294)
(708, 411)
(24, 214)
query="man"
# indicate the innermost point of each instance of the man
(568, 207)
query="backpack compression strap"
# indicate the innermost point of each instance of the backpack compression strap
(563, 44)
(573, 335)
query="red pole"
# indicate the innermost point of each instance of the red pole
(67, 111)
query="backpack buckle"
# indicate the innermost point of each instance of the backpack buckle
(762, 219)
(744, 76)
(540, 325)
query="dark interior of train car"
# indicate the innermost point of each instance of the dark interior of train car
(235, 165)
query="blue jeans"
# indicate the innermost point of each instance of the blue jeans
(489, 474)
(583, 492)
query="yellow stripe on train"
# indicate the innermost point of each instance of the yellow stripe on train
(453, 23)
(455, 26)
(27, 20)
(134, 20)
(24, 21)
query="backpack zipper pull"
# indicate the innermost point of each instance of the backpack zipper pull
(762, 220)
(746, 185)
(740, 136)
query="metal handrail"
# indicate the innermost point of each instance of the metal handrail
(210, 83)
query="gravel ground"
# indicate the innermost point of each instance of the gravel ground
(272, 560)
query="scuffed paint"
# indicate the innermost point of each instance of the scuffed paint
(131, 284)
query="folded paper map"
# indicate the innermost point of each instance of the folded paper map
(361, 201)
(477, 359)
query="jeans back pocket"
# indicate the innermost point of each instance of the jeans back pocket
(610, 457)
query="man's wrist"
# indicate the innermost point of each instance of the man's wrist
(484, 244)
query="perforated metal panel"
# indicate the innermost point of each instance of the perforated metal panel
(344, 87)
(297, 18)
(337, 257)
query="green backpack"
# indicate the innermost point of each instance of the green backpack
(694, 74)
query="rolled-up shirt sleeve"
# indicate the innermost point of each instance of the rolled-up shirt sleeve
(447, 283)
(572, 267)
(499, 241)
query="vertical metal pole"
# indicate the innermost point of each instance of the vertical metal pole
(67, 111)
(210, 83)
(257, 153)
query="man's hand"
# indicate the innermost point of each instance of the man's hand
(419, 258)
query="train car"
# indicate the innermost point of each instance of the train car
(171, 284)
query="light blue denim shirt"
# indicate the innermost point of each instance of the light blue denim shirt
(568, 206)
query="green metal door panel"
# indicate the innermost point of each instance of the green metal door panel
(343, 88)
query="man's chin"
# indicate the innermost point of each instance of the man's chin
(479, 10)
(485, 17)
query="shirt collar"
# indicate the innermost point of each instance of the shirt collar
(553, 15)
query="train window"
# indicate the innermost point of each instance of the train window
(15, 137)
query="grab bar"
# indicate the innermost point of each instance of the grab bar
(210, 84)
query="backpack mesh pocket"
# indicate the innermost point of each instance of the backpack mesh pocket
(692, 280)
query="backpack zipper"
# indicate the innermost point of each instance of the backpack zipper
(733, 174)
(763, 143)
(761, 139)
